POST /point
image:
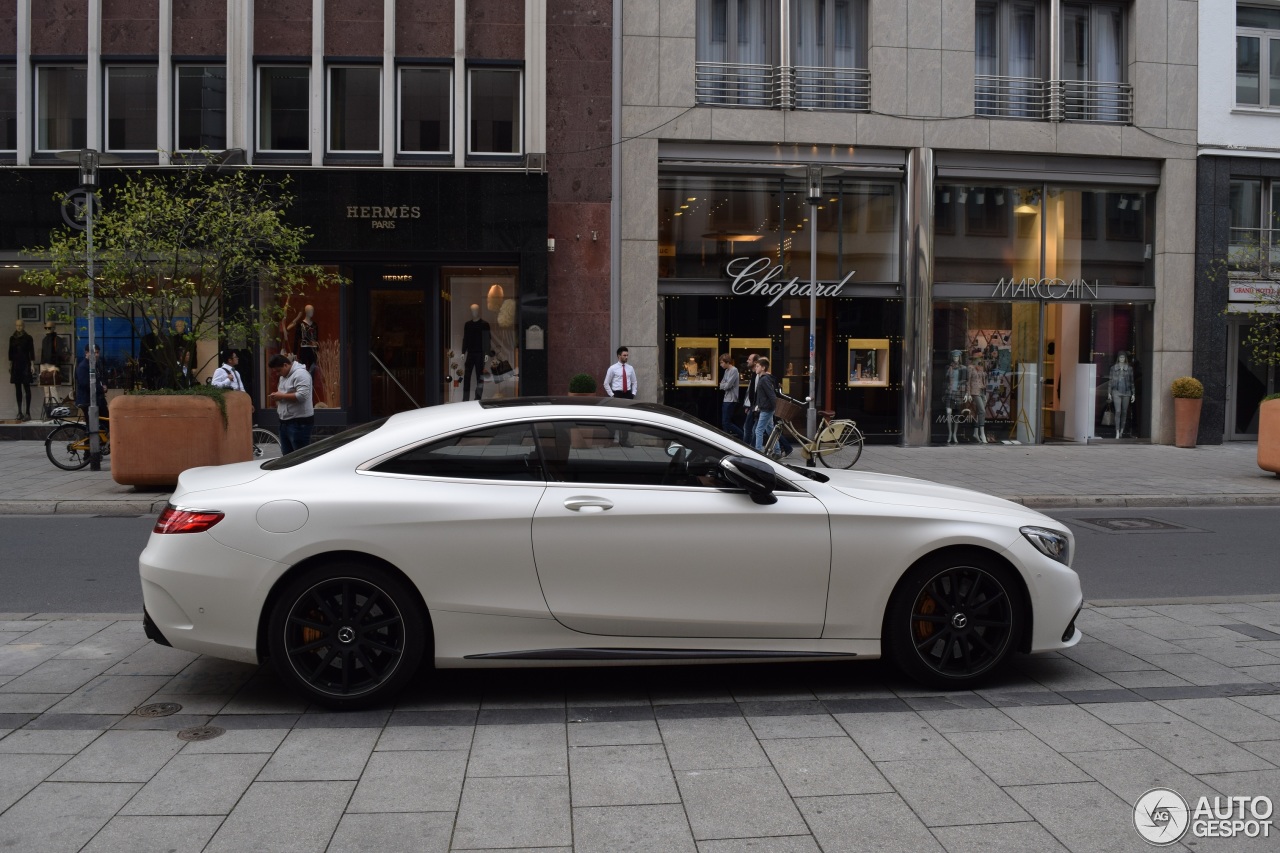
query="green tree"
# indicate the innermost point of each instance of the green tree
(1255, 259)
(186, 245)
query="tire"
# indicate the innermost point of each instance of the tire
(347, 635)
(266, 444)
(944, 642)
(61, 447)
(844, 449)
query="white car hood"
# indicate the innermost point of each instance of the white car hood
(216, 477)
(908, 491)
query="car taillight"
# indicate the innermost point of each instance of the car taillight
(174, 520)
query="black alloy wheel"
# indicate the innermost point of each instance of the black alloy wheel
(953, 622)
(347, 636)
(67, 447)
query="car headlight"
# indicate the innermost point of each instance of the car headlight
(1051, 543)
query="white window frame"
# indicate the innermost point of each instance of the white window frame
(258, 140)
(328, 110)
(35, 103)
(106, 108)
(519, 131)
(1264, 38)
(450, 113)
(177, 103)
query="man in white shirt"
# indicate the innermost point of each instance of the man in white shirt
(620, 379)
(227, 376)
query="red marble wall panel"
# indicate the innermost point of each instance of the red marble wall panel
(424, 28)
(281, 27)
(60, 27)
(200, 27)
(130, 27)
(8, 26)
(579, 171)
(495, 29)
(352, 28)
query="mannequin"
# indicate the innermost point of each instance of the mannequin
(306, 340)
(955, 394)
(977, 395)
(1122, 390)
(22, 359)
(51, 355)
(475, 348)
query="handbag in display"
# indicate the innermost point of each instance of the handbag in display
(501, 367)
(48, 375)
(1108, 414)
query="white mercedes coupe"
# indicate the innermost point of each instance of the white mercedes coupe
(581, 531)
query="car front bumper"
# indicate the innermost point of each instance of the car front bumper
(1054, 590)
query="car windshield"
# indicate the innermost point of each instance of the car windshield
(321, 447)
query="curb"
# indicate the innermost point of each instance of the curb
(83, 507)
(1145, 501)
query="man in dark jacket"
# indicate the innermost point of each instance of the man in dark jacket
(749, 402)
(82, 384)
(766, 398)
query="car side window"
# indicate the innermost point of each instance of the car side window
(581, 451)
(500, 452)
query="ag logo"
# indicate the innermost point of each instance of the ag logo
(1161, 816)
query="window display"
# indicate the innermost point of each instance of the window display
(740, 348)
(696, 362)
(869, 362)
(309, 331)
(482, 353)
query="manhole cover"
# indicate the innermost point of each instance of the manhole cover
(157, 709)
(201, 733)
(1133, 525)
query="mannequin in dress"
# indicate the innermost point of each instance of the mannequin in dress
(476, 339)
(51, 355)
(977, 395)
(955, 393)
(306, 340)
(22, 358)
(1122, 390)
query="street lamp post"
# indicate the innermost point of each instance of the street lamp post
(89, 181)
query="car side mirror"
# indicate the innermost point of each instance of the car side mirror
(753, 476)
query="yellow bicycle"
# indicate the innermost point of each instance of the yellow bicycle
(837, 443)
(67, 445)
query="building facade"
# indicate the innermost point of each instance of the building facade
(1003, 234)
(432, 145)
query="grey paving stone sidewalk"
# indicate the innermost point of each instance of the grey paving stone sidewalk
(1044, 476)
(833, 757)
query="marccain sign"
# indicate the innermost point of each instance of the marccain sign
(1045, 288)
(755, 277)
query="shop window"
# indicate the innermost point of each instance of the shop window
(309, 330)
(1008, 50)
(61, 102)
(131, 108)
(355, 109)
(284, 123)
(201, 107)
(505, 452)
(480, 326)
(426, 111)
(496, 111)
(1258, 56)
(8, 108)
(1255, 211)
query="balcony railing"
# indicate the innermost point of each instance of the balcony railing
(1059, 100)
(1255, 250)
(788, 88)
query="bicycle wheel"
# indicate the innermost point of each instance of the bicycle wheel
(266, 444)
(840, 445)
(68, 447)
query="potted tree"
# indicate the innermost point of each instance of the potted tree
(582, 385)
(1188, 396)
(1269, 434)
(180, 254)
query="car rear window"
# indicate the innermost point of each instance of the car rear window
(321, 447)
(498, 452)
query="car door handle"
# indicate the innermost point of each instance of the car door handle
(587, 504)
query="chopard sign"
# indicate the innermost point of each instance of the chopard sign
(754, 277)
(1046, 288)
(383, 216)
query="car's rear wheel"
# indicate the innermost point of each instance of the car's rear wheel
(954, 619)
(347, 635)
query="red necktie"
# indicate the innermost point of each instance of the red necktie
(624, 379)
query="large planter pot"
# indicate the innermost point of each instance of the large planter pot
(154, 438)
(582, 393)
(1269, 436)
(1186, 420)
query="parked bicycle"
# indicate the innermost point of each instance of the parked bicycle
(266, 444)
(67, 444)
(837, 443)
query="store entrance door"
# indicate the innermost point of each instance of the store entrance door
(397, 315)
(1247, 384)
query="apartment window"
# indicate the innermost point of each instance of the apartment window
(496, 110)
(61, 102)
(1255, 215)
(131, 107)
(1258, 49)
(1009, 41)
(1093, 62)
(8, 108)
(426, 110)
(735, 54)
(829, 51)
(201, 110)
(355, 110)
(283, 117)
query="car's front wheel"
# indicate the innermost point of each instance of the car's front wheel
(953, 620)
(347, 635)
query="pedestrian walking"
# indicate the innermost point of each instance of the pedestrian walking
(729, 398)
(766, 401)
(749, 402)
(620, 378)
(293, 403)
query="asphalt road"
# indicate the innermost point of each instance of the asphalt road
(84, 564)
